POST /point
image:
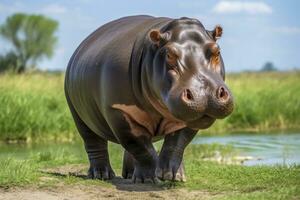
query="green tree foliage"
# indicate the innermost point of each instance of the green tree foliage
(9, 62)
(32, 38)
(268, 66)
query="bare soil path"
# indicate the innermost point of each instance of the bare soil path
(118, 189)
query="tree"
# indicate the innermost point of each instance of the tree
(8, 62)
(268, 66)
(32, 38)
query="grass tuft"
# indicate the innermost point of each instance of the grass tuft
(17, 172)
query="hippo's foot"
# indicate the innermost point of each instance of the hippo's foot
(101, 170)
(128, 165)
(127, 174)
(172, 170)
(144, 174)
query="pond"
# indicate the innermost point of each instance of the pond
(267, 149)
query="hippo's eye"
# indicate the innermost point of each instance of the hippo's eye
(171, 57)
(215, 62)
(212, 51)
(215, 57)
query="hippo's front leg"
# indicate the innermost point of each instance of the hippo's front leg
(137, 143)
(145, 162)
(143, 157)
(170, 165)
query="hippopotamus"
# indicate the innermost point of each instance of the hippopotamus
(140, 79)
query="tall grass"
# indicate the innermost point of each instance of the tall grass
(33, 106)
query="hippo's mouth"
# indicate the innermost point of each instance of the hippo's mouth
(202, 122)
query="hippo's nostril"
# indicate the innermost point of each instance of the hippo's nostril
(222, 94)
(187, 95)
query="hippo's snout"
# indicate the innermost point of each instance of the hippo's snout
(216, 103)
(194, 100)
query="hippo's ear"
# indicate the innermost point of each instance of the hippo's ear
(157, 37)
(217, 32)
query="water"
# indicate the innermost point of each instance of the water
(265, 148)
(26, 151)
(268, 149)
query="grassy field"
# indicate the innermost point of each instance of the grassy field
(33, 106)
(29, 169)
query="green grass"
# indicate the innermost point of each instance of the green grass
(33, 106)
(17, 172)
(23, 167)
(243, 182)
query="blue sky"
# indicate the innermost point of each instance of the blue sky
(254, 31)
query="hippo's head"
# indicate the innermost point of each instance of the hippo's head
(189, 73)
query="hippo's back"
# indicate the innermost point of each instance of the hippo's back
(102, 41)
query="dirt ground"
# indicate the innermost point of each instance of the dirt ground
(119, 189)
(91, 193)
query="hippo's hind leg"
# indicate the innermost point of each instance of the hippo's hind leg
(96, 148)
(128, 165)
(170, 165)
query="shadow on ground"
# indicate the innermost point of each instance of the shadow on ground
(79, 171)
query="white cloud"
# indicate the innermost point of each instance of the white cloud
(54, 9)
(250, 7)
